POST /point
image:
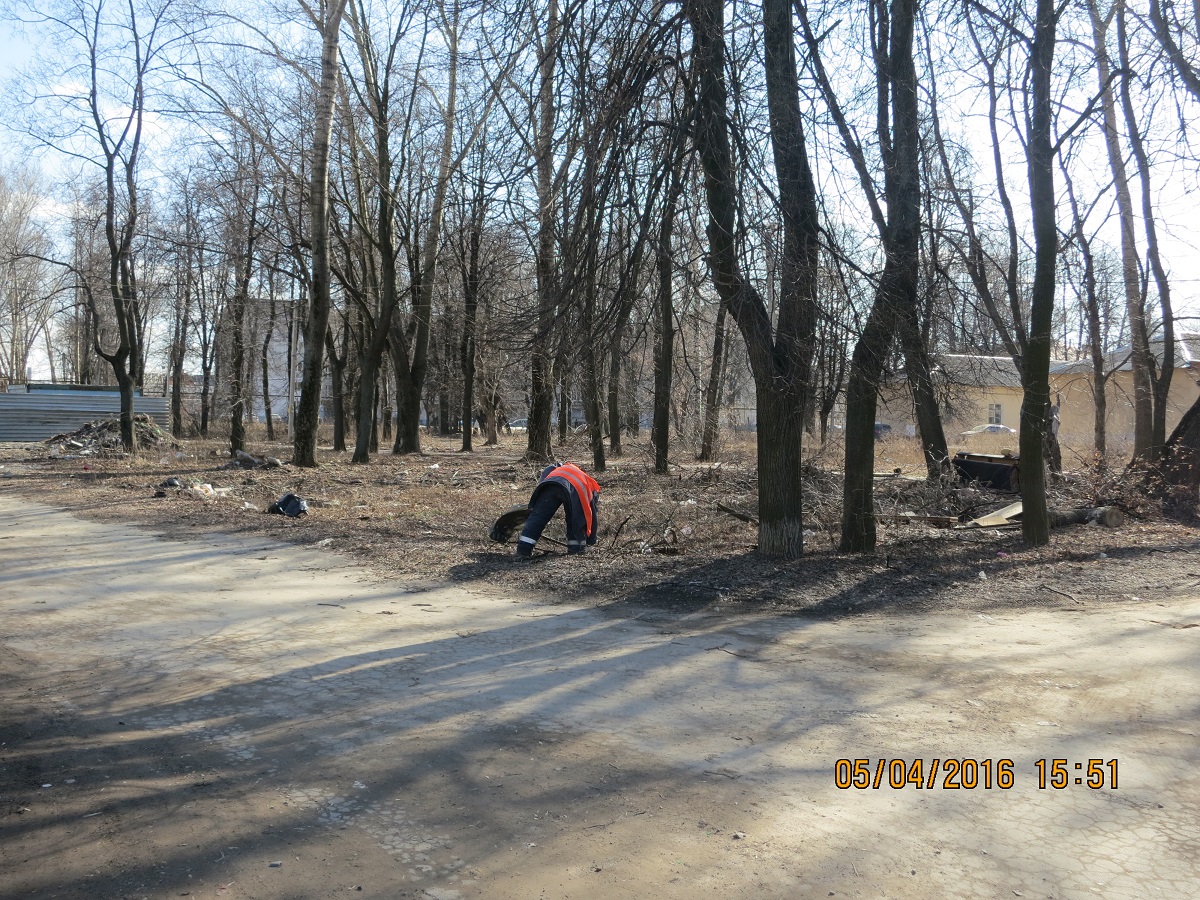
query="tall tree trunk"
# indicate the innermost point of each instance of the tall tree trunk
(265, 358)
(380, 326)
(467, 349)
(1160, 381)
(1141, 359)
(238, 377)
(778, 356)
(1035, 408)
(712, 389)
(616, 357)
(591, 377)
(862, 391)
(424, 279)
(896, 298)
(1095, 326)
(337, 386)
(664, 357)
(541, 391)
(181, 327)
(304, 450)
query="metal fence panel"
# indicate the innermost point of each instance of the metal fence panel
(43, 414)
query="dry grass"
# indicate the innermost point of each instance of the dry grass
(663, 539)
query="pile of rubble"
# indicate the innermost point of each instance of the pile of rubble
(105, 437)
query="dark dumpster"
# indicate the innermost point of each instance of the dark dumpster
(1001, 473)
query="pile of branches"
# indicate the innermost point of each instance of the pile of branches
(104, 436)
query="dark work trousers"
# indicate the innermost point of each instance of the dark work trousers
(549, 499)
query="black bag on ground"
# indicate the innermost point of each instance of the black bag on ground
(289, 505)
(510, 522)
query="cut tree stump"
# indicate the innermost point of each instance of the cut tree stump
(1108, 516)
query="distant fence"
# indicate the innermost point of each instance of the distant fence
(44, 412)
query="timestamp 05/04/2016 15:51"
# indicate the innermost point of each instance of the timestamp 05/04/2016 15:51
(970, 774)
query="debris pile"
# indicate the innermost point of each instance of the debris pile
(104, 436)
(246, 460)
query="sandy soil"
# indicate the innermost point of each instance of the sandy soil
(231, 715)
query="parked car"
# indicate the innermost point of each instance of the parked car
(882, 430)
(988, 429)
(518, 426)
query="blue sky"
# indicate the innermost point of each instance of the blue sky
(14, 50)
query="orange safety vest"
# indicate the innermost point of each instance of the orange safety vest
(584, 484)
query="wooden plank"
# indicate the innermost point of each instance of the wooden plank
(1003, 516)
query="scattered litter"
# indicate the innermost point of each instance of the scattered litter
(205, 491)
(278, 864)
(326, 542)
(47, 785)
(289, 505)
(982, 575)
(246, 504)
(360, 785)
(1101, 556)
(172, 482)
(69, 781)
(739, 835)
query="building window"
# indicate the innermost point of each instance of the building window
(995, 414)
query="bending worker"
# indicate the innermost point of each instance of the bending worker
(577, 492)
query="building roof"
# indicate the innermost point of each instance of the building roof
(1187, 356)
(995, 371)
(979, 371)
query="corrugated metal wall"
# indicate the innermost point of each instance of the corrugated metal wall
(43, 414)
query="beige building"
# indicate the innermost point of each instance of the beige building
(1073, 383)
(972, 390)
(986, 390)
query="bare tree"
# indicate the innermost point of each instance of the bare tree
(113, 53)
(780, 354)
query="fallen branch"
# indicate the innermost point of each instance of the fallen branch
(737, 514)
(620, 528)
(1047, 587)
(915, 519)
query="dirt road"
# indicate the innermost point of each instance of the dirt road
(232, 717)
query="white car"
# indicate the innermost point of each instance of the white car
(988, 429)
